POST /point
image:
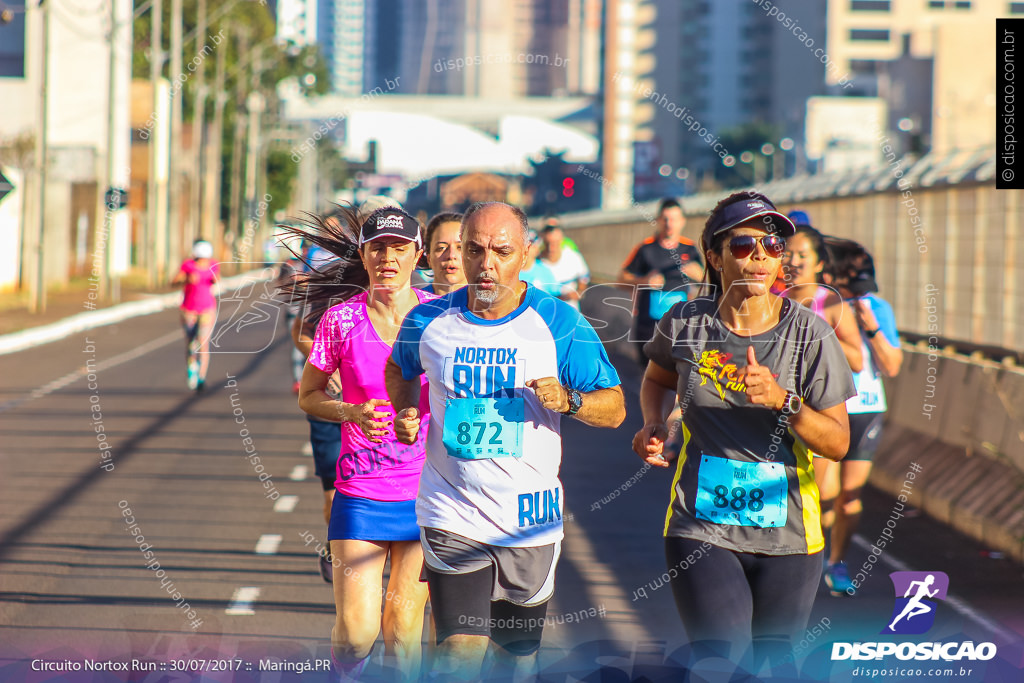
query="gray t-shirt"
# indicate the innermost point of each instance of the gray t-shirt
(744, 480)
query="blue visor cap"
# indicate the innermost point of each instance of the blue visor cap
(743, 211)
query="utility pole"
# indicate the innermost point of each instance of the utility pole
(158, 265)
(195, 206)
(212, 183)
(37, 302)
(234, 212)
(254, 105)
(236, 148)
(174, 228)
(109, 282)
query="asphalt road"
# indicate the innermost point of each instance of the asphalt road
(225, 582)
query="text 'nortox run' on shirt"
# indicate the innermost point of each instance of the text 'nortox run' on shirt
(480, 372)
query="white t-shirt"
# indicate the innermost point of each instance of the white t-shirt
(493, 452)
(569, 268)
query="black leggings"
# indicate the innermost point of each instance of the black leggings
(726, 598)
(461, 604)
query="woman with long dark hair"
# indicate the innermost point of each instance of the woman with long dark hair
(367, 291)
(760, 381)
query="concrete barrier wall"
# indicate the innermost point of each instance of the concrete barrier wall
(960, 420)
(971, 404)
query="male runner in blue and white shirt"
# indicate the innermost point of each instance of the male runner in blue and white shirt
(505, 362)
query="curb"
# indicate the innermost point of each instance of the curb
(44, 334)
(978, 496)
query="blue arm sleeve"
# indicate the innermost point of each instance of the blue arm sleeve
(886, 319)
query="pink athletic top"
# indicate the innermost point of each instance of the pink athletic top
(347, 341)
(199, 296)
(818, 302)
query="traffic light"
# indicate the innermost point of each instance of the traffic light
(568, 185)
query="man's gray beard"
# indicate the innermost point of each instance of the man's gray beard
(487, 296)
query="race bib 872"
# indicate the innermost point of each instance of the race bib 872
(483, 428)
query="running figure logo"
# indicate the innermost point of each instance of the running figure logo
(915, 607)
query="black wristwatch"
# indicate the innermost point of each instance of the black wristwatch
(792, 404)
(575, 401)
(871, 333)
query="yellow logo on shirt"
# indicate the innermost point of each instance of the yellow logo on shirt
(714, 365)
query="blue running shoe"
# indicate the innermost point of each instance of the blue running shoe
(838, 579)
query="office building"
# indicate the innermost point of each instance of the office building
(297, 21)
(933, 60)
(486, 48)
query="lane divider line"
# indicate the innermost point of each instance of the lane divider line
(268, 544)
(241, 601)
(286, 503)
(78, 374)
(307, 449)
(299, 473)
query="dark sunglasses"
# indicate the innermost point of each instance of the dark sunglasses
(743, 246)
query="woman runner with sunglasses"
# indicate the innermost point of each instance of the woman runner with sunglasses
(760, 380)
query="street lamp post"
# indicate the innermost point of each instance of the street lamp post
(747, 157)
(768, 150)
(786, 145)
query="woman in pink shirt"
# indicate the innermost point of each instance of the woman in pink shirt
(198, 310)
(373, 512)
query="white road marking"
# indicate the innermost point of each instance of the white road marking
(241, 601)
(956, 603)
(33, 337)
(307, 449)
(73, 377)
(286, 503)
(299, 473)
(268, 544)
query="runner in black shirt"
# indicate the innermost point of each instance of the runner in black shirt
(660, 268)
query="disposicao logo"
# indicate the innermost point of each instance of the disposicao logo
(916, 601)
(916, 596)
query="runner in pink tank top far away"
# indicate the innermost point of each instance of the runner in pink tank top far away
(198, 310)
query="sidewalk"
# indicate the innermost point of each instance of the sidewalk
(65, 302)
(70, 309)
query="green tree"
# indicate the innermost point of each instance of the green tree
(253, 60)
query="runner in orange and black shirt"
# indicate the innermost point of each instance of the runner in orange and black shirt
(660, 270)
